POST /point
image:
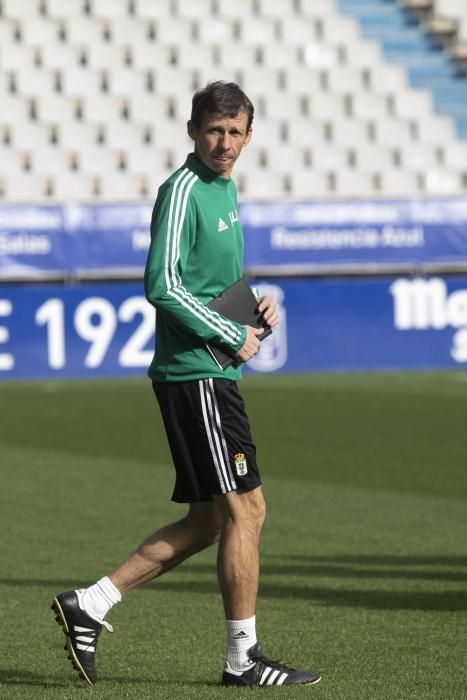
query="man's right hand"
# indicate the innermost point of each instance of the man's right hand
(251, 345)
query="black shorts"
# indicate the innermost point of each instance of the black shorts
(209, 438)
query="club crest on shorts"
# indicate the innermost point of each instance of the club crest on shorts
(240, 464)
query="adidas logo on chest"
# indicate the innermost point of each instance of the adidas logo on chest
(221, 225)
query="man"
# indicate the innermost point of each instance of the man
(196, 252)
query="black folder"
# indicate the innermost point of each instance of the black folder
(237, 303)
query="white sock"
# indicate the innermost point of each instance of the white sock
(99, 598)
(241, 635)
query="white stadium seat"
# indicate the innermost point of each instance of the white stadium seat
(455, 156)
(386, 79)
(234, 10)
(55, 107)
(277, 56)
(21, 187)
(443, 182)
(276, 8)
(260, 80)
(399, 183)
(193, 55)
(349, 132)
(121, 187)
(55, 56)
(206, 74)
(151, 9)
(17, 9)
(124, 81)
(39, 31)
(215, 32)
(149, 55)
(320, 56)
(344, 79)
(435, 130)
(7, 31)
(326, 105)
(109, 8)
(105, 56)
(81, 81)
(418, 157)
(373, 157)
(173, 81)
(280, 105)
(64, 9)
(309, 184)
(302, 80)
(125, 135)
(173, 30)
(72, 133)
(51, 160)
(34, 81)
(455, 9)
(147, 105)
(100, 160)
(84, 31)
(412, 104)
(298, 31)
(129, 31)
(306, 131)
(286, 156)
(188, 8)
(354, 183)
(312, 8)
(29, 135)
(368, 106)
(264, 183)
(363, 54)
(146, 160)
(257, 31)
(336, 29)
(14, 108)
(103, 108)
(328, 157)
(237, 56)
(13, 161)
(391, 132)
(72, 186)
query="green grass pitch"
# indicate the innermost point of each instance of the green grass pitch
(364, 562)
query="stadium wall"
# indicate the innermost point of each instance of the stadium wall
(374, 285)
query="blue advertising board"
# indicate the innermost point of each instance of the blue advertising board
(102, 241)
(107, 329)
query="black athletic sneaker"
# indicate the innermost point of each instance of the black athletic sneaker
(81, 634)
(267, 672)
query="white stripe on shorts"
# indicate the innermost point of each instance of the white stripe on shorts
(216, 438)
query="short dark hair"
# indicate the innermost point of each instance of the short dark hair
(220, 97)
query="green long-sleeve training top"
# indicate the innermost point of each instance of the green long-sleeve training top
(196, 252)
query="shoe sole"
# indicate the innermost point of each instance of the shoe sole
(61, 620)
(265, 685)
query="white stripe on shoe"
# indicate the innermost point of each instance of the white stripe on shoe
(272, 677)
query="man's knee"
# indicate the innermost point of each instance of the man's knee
(246, 508)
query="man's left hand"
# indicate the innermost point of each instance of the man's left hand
(267, 307)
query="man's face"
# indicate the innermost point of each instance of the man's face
(219, 140)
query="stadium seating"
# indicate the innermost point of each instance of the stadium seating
(353, 98)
